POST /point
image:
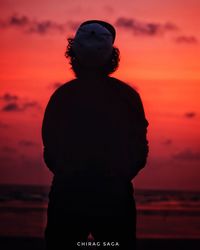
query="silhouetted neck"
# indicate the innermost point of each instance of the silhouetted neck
(92, 77)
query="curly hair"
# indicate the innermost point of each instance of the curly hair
(107, 69)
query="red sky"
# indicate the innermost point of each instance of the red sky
(160, 50)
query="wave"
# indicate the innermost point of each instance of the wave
(148, 201)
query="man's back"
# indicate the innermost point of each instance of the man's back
(95, 120)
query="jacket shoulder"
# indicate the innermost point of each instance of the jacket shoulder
(131, 96)
(65, 88)
(124, 87)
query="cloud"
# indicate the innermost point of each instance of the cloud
(45, 27)
(136, 27)
(152, 29)
(33, 26)
(8, 97)
(13, 103)
(187, 155)
(144, 28)
(27, 143)
(13, 106)
(190, 115)
(186, 40)
(16, 107)
(18, 20)
(15, 21)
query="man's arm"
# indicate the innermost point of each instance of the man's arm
(49, 133)
(138, 144)
(139, 135)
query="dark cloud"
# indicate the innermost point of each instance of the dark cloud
(16, 107)
(45, 27)
(186, 40)
(190, 115)
(27, 143)
(10, 107)
(187, 155)
(152, 29)
(144, 28)
(8, 97)
(12, 103)
(15, 21)
(32, 26)
(18, 21)
(136, 27)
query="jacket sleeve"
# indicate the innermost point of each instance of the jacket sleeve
(139, 142)
(140, 125)
(49, 133)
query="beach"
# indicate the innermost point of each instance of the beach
(165, 219)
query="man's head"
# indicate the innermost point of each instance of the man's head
(92, 47)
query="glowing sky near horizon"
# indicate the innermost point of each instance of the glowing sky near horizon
(159, 43)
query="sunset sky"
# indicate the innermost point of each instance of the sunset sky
(159, 43)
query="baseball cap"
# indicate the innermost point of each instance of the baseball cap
(106, 25)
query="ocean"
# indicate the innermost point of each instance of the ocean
(160, 213)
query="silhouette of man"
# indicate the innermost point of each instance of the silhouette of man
(94, 135)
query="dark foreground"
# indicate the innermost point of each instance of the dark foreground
(8, 243)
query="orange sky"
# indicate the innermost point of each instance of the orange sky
(160, 50)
